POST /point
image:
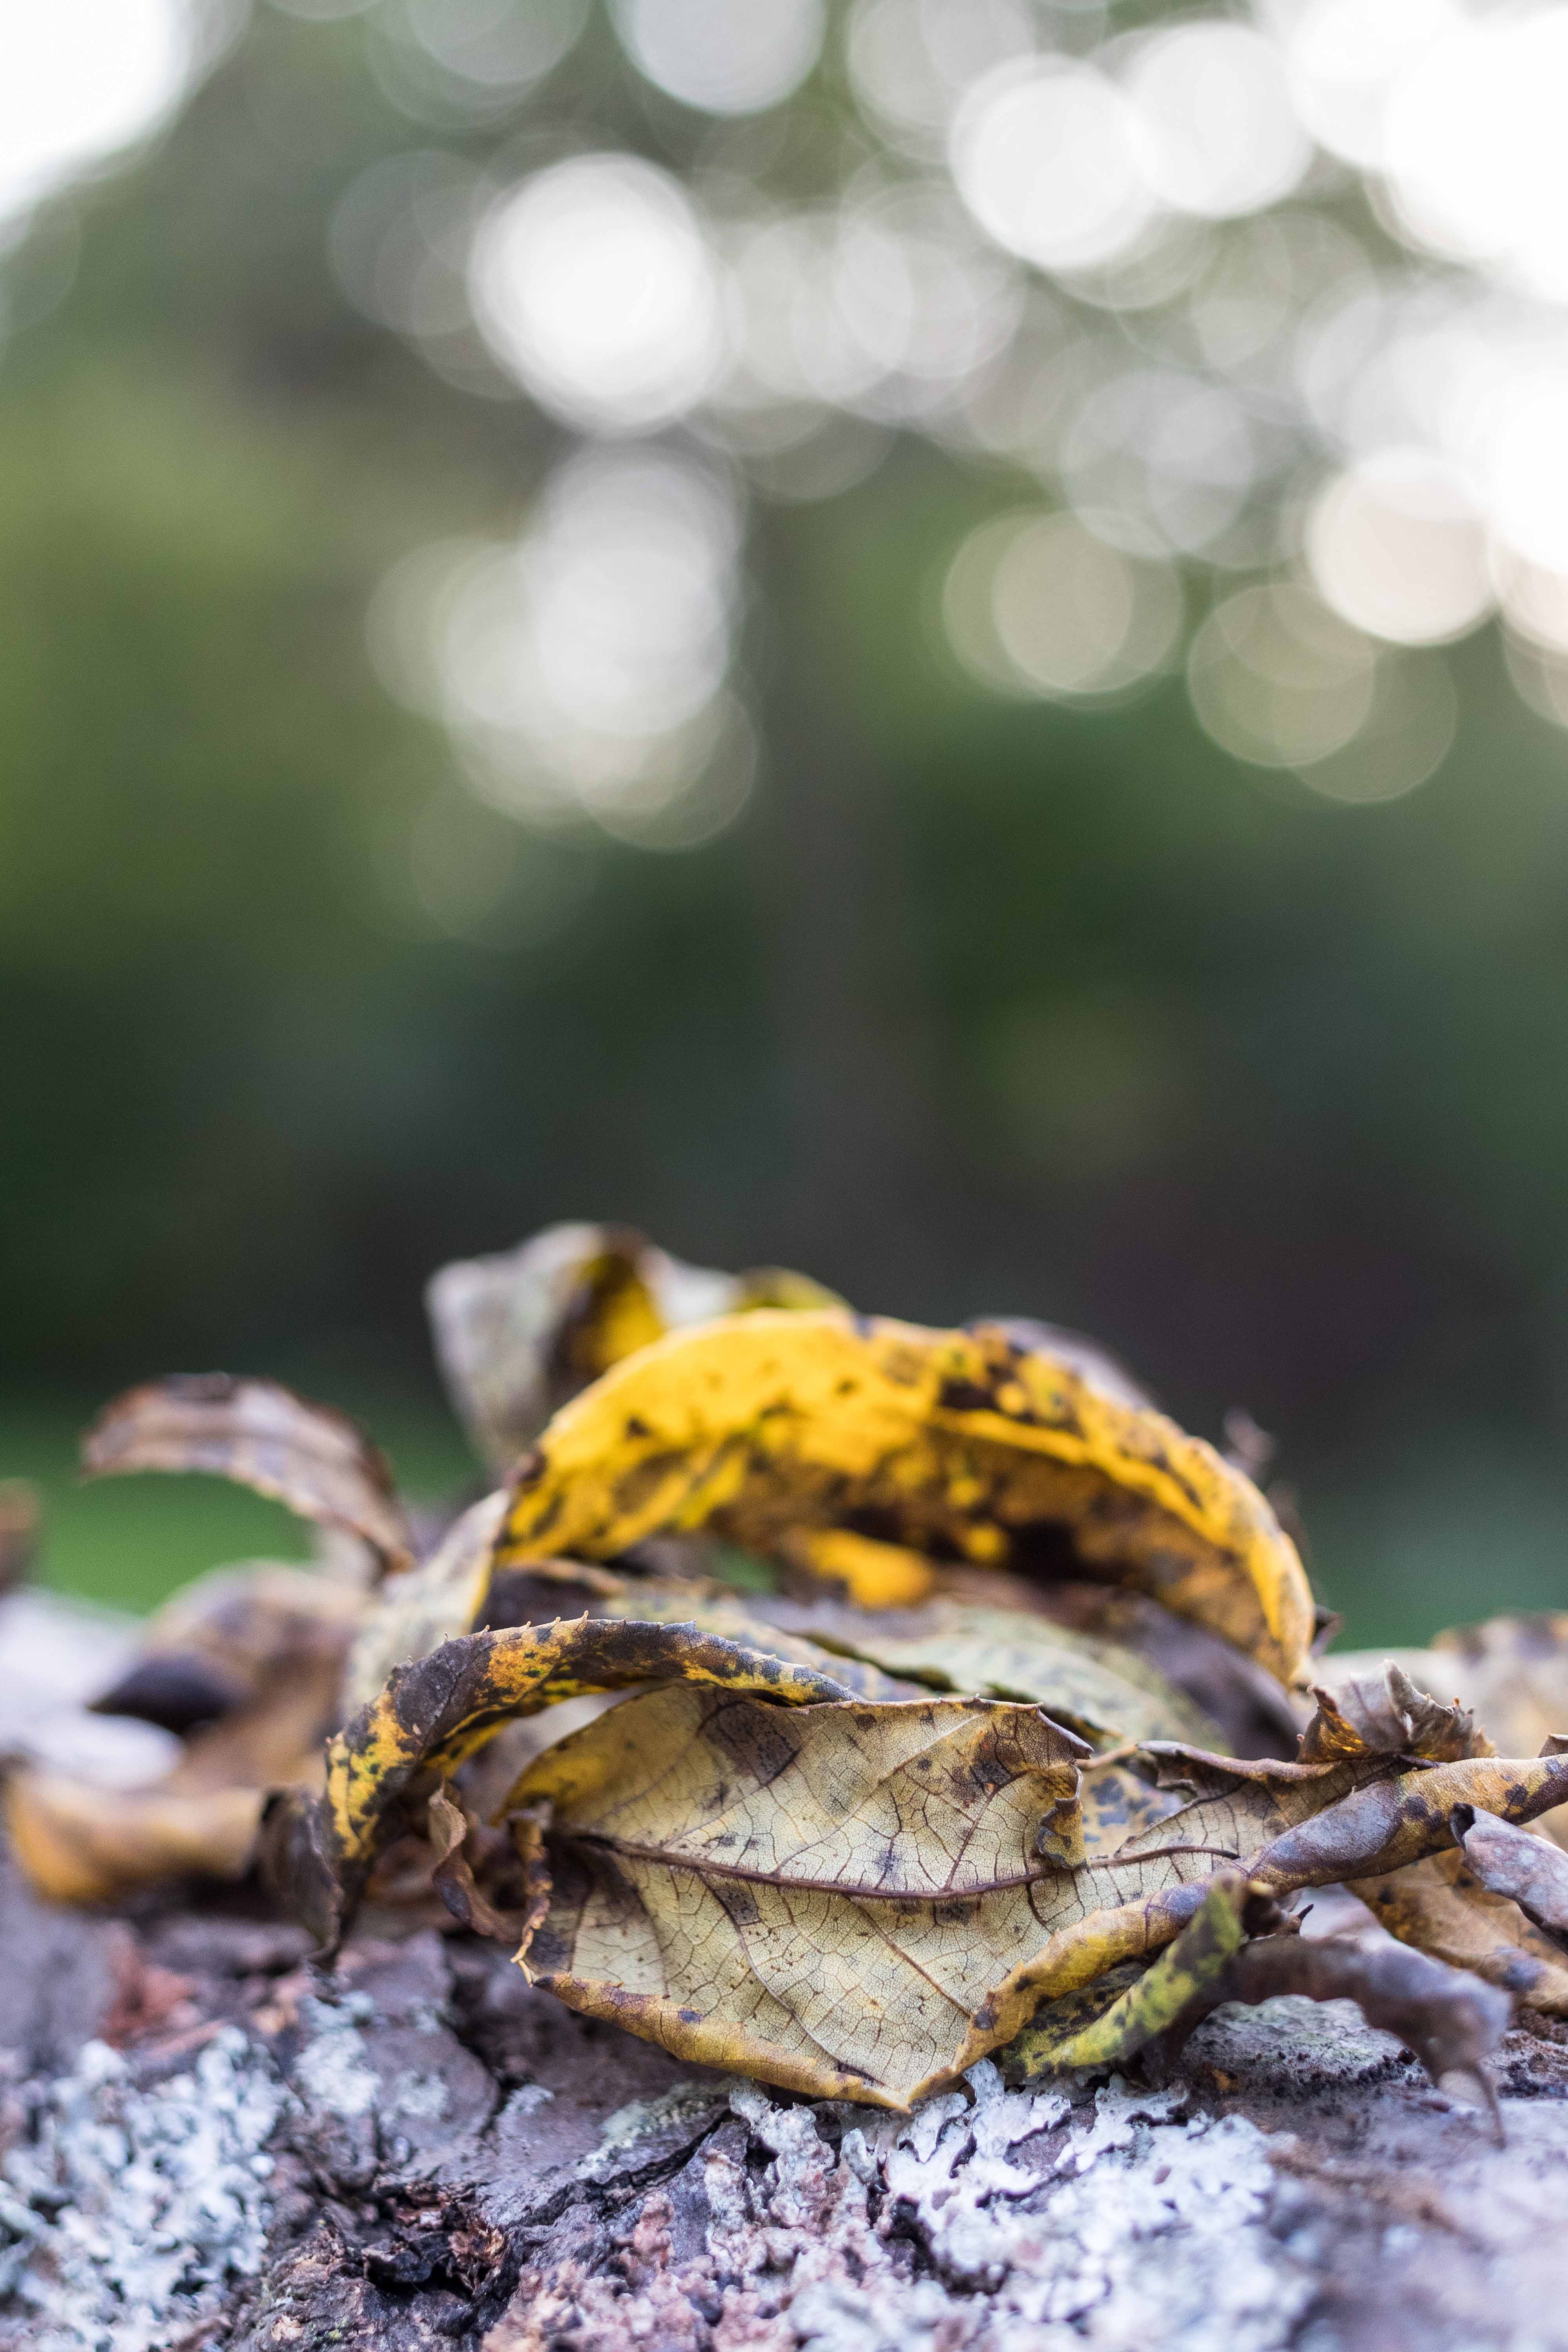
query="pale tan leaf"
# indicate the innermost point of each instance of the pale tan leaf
(260, 1434)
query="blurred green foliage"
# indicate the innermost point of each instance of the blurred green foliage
(983, 1006)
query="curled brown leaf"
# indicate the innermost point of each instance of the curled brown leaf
(1508, 1862)
(260, 1434)
(1452, 2021)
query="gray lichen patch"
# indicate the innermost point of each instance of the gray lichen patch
(928, 2234)
(127, 2214)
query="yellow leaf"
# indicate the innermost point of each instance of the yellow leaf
(431, 1717)
(520, 1332)
(82, 1843)
(958, 1443)
(821, 1896)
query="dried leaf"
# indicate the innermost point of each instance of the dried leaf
(1508, 1862)
(1392, 1821)
(1151, 2003)
(21, 1521)
(1442, 1907)
(1439, 1904)
(1450, 2020)
(822, 1897)
(1383, 1712)
(948, 1442)
(383, 1766)
(82, 1843)
(249, 1662)
(1104, 1695)
(518, 1333)
(260, 1434)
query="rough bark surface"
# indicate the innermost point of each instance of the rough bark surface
(205, 2144)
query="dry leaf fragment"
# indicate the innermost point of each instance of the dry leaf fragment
(21, 1520)
(1450, 2019)
(1508, 1862)
(260, 1434)
(955, 1443)
(1442, 1907)
(518, 1333)
(1153, 2003)
(247, 1663)
(382, 1766)
(1384, 1713)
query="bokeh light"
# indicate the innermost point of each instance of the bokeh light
(582, 668)
(1279, 681)
(595, 287)
(1140, 266)
(80, 80)
(725, 56)
(1396, 546)
(1035, 604)
(1045, 155)
(1215, 131)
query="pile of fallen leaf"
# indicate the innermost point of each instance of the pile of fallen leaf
(822, 1698)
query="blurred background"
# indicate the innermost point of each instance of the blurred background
(926, 639)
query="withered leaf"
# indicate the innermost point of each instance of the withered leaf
(1451, 2020)
(247, 1663)
(1057, 2039)
(260, 1434)
(383, 1766)
(1529, 1871)
(458, 1591)
(1107, 1695)
(958, 1443)
(823, 1895)
(1443, 1907)
(518, 1333)
(1384, 1712)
